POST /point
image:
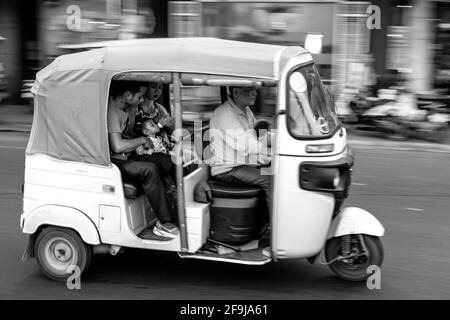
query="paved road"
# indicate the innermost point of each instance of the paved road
(408, 190)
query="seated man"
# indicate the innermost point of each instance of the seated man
(122, 95)
(236, 153)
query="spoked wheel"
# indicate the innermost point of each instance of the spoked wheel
(57, 249)
(351, 255)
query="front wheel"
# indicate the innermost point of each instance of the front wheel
(351, 255)
(58, 250)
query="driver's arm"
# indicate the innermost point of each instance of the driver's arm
(243, 142)
(119, 145)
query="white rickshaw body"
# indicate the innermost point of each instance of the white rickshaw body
(75, 198)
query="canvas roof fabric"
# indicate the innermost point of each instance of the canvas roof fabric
(201, 55)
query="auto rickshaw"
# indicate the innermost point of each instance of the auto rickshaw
(76, 203)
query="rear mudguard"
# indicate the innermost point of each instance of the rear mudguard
(353, 220)
(58, 216)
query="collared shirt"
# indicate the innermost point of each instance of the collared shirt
(233, 139)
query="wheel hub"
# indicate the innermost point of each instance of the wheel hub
(59, 254)
(62, 252)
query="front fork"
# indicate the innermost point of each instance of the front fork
(346, 250)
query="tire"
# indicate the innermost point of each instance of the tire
(56, 249)
(355, 271)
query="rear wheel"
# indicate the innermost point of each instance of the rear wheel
(361, 256)
(57, 249)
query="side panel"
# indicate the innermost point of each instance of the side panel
(109, 219)
(58, 192)
(93, 190)
(80, 186)
(197, 214)
(301, 219)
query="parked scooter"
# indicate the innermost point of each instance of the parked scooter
(396, 113)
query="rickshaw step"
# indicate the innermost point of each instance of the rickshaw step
(250, 257)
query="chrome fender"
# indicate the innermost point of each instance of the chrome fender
(353, 220)
(61, 216)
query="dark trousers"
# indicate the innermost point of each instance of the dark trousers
(252, 177)
(147, 174)
(162, 160)
(247, 176)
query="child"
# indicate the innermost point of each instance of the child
(160, 150)
(159, 153)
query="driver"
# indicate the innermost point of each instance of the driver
(237, 154)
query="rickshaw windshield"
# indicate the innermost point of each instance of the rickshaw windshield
(311, 111)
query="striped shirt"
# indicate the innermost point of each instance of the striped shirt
(233, 140)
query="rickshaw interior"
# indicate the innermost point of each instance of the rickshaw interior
(238, 217)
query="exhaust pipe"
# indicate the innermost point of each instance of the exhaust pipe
(106, 248)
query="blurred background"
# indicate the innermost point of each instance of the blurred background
(388, 66)
(362, 48)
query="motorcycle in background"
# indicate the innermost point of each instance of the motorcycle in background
(395, 112)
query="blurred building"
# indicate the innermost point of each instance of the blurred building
(411, 41)
(414, 42)
(18, 40)
(65, 22)
(334, 32)
(32, 32)
(413, 38)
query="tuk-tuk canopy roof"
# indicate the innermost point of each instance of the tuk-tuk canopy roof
(71, 94)
(191, 55)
